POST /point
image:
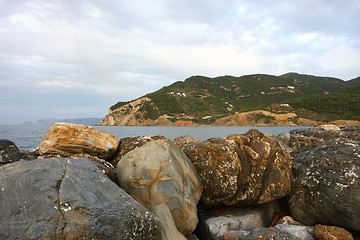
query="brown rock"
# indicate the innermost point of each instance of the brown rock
(67, 139)
(271, 166)
(241, 169)
(130, 143)
(323, 232)
(159, 172)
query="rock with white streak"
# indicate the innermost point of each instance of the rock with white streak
(159, 172)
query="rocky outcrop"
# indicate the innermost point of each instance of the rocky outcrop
(241, 169)
(67, 139)
(159, 172)
(325, 185)
(68, 199)
(130, 143)
(218, 223)
(9, 152)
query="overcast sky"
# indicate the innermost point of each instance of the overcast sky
(71, 59)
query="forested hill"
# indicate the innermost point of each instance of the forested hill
(345, 103)
(204, 100)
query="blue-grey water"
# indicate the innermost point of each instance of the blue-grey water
(29, 137)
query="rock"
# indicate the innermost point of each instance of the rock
(241, 169)
(221, 223)
(326, 185)
(159, 172)
(269, 234)
(68, 199)
(301, 232)
(29, 155)
(182, 141)
(219, 165)
(332, 233)
(68, 139)
(329, 127)
(169, 230)
(284, 138)
(130, 143)
(313, 137)
(9, 152)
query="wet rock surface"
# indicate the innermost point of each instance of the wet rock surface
(68, 199)
(326, 185)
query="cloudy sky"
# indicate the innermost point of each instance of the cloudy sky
(71, 59)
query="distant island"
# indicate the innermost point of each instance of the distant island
(51, 121)
(287, 100)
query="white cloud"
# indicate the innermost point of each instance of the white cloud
(119, 50)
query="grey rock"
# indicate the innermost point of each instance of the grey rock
(326, 185)
(159, 172)
(302, 232)
(182, 141)
(217, 223)
(269, 234)
(68, 199)
(130, 143)
(304, 139)
(9, 152)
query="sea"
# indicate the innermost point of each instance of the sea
(28, 137)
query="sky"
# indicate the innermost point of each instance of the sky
(73, 59)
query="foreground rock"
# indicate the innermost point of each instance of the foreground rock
(9, 152)
(68, 199)
(326, 185)
(130, 143)
(220, 223)
(241, 169)
(158, 172)
(67, 139)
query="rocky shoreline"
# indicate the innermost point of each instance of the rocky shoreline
(85, 183)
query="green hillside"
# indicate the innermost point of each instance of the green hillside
(203, 99)
(345, 104)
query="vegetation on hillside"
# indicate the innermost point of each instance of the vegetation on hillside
(345, 103)
(203, 99)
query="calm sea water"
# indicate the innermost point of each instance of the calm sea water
(29, 137)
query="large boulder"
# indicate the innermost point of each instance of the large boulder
(218, 223)
(241, 169)
(326, 185)
(130, 143)
(9, 152)
(68, 139)
(159, 172)
(68, 199)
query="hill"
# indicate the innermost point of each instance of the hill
(343, 104)
(204, 100)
